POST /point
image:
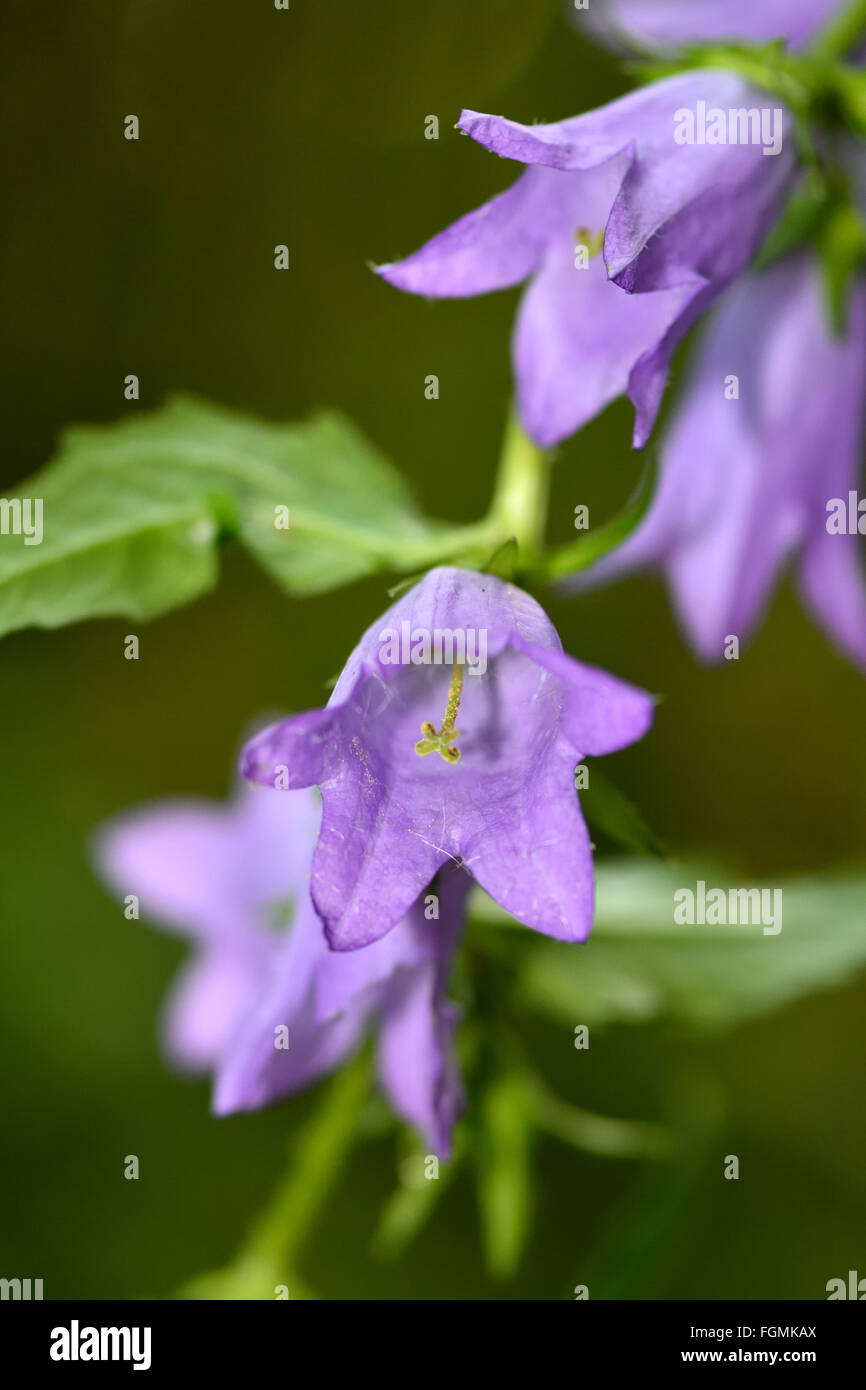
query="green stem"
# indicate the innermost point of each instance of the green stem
(519, 506)
(267, 1259)
(841, 34)
(593, 1133)
(577, 555)
(454, 544)
(282, 1228)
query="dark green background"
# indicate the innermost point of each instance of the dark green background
(307, 127)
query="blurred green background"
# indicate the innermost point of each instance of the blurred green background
(307, 127)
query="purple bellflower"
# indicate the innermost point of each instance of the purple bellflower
(659, 194)
(672, 24)
(264, 1004)
(758, 466)
(492, 788)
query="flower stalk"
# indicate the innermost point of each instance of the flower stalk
(842, 32)
(267, 1259)
(519, 505)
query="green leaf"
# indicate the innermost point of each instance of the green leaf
(133, 511)
(579, 554)
(608, 810)
(504, 1176)
(639, 965)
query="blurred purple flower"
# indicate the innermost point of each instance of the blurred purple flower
(745, 483)
(507, 810)
(234, 879)
(679, 221)
(672, 24)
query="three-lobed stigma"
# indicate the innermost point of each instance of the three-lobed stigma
(442, 742)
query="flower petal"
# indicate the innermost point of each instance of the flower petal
(205, 868)
(371, 860)
(492, 248)
(601, 714)
(181, 860)
(577, 341)
(833, 586)
(717, 198)
(689, 211)
(344, 977)
(674, 24)
(293, 750)
(392, 818)
(417, 1065)
(745, 479)
(211, 998)
(253, 1069)
(533, 854)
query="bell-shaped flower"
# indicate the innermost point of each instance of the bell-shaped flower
(668, 25)
(264, 1004)
(665, 193)
(453, 735)
(760, 468)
